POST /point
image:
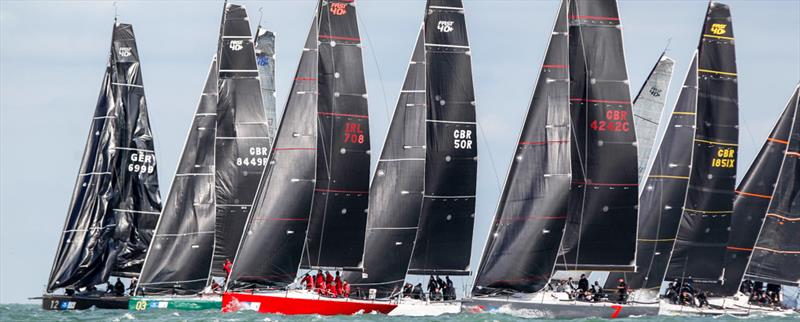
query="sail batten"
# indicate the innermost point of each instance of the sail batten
(116, 198)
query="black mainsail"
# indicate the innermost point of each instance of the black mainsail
(753, 199)
(444, 238)
(600, 232)
(663, 192)
(335, 236)
(530, 218)
(699, 249)
(241, 143)
(322, 139)
(179, 259)
(116, 201)
(777, 248)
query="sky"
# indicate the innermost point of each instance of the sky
(53, 55)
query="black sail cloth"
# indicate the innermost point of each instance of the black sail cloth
(664, 192)
(431, 139)
(444, 238)
(274, 235)
(753, 200)
(338, 218)
(777, 249)
(600, 232)
(702, 235)
(527, 228)
(116, 201)
(179, 259)
(242, 139)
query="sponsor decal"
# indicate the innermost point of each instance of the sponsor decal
(338, 9)
(655, 91)
(236, 45)
(718, 28)
(445, 26)
(125, 51)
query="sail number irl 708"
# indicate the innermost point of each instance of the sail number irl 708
(724, 158)
(353, 133)
(141, 162)
(615, 121)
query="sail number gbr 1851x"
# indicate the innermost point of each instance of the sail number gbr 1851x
(724, 158)
(615, 121)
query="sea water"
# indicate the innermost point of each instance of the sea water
(32, 312)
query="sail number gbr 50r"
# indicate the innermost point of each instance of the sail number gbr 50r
(462, 139)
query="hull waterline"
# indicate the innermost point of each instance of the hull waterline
(558, 309)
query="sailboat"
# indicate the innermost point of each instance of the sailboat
(321, 160)
(698, 250)
(116, 202)
(422, 200)
(215, 182)
(570, 198)
(764, 233)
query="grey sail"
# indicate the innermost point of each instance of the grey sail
(116, 202)
(647, 107)
(242, 142)
(179, 258)
(265, 58)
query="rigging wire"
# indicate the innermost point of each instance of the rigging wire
(377, 68)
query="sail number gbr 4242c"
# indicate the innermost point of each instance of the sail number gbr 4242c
(615, 121)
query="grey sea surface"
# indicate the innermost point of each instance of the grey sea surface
(32, 312)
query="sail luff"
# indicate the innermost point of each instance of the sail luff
(703, 230)
(601, 224)
(179, 257)
(444, 237)
(538, 174)
(778, 241)
(276, 225)
(265, 59)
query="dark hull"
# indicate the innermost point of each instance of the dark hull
(565, 310)
(78, 302)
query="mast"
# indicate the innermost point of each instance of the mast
(335, 236)
(699, 247)
(116, 201)
(647, 109)
(778, 244)
(444, 236)
(270, 249)
(664, 192)
(265, 58)
(241, 144)
(753, 198)
(179, 258)
(527, 228)
(600, 232)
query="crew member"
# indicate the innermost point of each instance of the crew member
(338, 282)
(622, 290)
(132, 287)
(119, 288)
(308, 282)
(345, 289)
(227, 267)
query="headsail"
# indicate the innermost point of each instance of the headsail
(179, 258)
(753, 200)
(116, 202)
(444, 238)
(242, 142)
(703, 230)
(600, 233)
(335, 236)
(664, 192)
(775, 255)
(265, 58)
(527, 228)
(647, 109)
